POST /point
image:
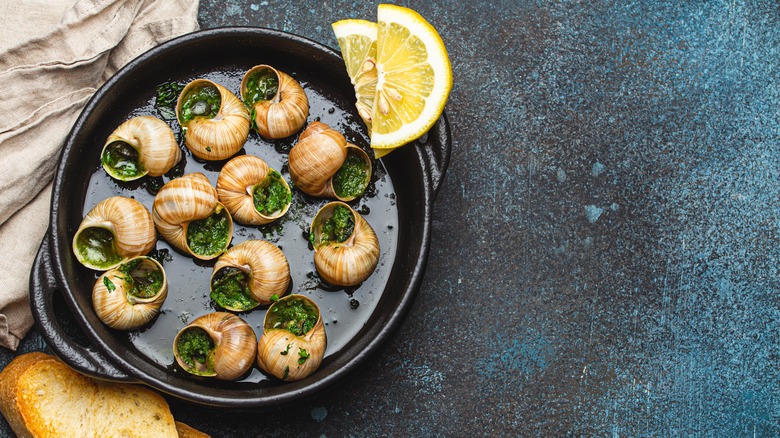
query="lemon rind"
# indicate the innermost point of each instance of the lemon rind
(438, 59)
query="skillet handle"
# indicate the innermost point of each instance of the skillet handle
(43, 287)
(436, 148)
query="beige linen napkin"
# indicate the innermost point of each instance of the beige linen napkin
(54, 54)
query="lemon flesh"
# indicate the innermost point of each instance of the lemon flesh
(414, 78)
(357, 41)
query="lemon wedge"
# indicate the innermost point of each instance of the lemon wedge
(414, 78)
(401, 73)
(357, 41)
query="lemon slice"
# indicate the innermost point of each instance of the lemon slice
(357, 41)
(414, 78)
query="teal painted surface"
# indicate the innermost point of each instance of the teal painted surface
(606, 242)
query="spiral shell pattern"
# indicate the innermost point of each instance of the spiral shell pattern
(154, 141)
(286, 112)
(266, 264)
(117, 307)
(347, 263)
(181, 201)
(220, 137)
(127, 220)
(235, 345)
(316, 157)
(235, 186)
(280, 352)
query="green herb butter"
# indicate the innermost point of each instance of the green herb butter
(271, 195)
(143, 276)
(195, 347)
(165, 100)
(203, 101)
(230, 289)
(339, 226)
(96, 247)
(209, 236)
(292, 315)
(351, 180)
(123, 160)
(261, 86)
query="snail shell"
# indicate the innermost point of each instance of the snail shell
(115, 230)
(265, 266)
(285, 354)
(139, 146)
(318, 156)
(219, 137)
(232, 346)
(351, 261)
(130, 295)
(183, 201)
(283, 110)
(236, 185)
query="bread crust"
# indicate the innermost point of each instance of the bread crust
(41, 396)
(186, 431)
(9, 379)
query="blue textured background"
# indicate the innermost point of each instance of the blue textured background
(605, 249)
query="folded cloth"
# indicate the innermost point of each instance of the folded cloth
(54, 54)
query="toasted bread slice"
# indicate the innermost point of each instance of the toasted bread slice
(42, 397)
(186, 431)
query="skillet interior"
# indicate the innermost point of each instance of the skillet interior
(190, 56)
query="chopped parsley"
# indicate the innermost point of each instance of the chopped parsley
(230, 289)
(143, 277)
(261, 85)
(202, 101)
(96, 247)
(293, 315)
(304, 356)
(195, 348)
(339, 226)
(122, 161)
(165, 101)
(351, 180)
(209, 236)
(271, 195)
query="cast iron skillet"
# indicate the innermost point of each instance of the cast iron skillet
(416, 172)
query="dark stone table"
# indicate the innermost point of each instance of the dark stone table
(605, 246)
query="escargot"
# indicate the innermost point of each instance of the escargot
(322, 163)
(218, 344)
(248, 275)
(140, 146)
(346, 249)
(293, 341)
(130, 295)
(188, 214)
(254, 193)
(279, 104)
(115, 230)
(214, 120)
